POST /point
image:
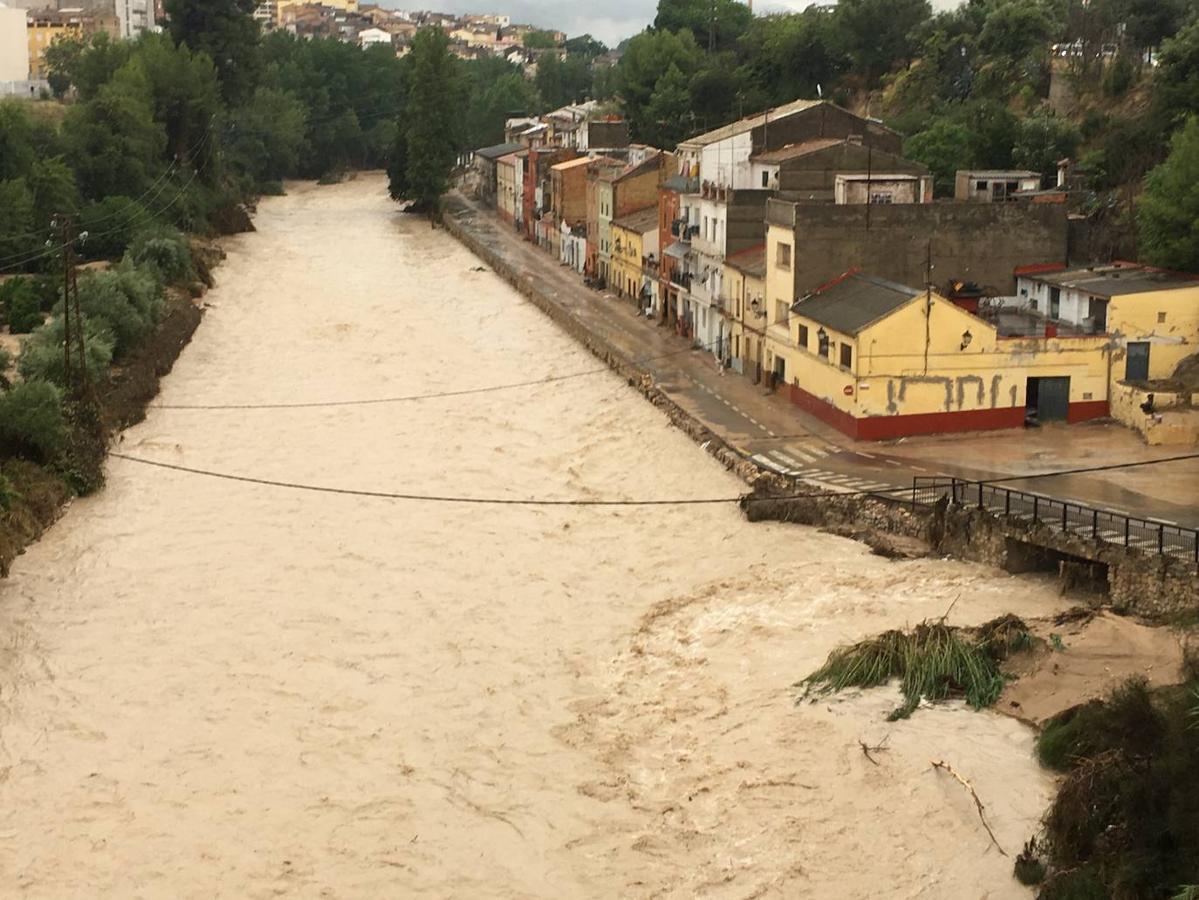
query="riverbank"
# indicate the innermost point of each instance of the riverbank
(38, 495)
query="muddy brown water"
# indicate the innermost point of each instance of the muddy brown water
(211, 688)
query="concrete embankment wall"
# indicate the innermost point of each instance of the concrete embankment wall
(1155, 587)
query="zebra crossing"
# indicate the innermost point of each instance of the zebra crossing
(796, 461)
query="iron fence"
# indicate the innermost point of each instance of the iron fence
(1063, 516)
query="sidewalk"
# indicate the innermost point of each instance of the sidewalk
(780, 437)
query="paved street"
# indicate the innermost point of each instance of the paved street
(778, 436)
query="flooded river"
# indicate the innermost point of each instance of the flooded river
(215, 688)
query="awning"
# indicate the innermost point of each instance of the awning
(676, 251)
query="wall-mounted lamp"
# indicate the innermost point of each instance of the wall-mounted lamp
(822, 340)
(967, 337)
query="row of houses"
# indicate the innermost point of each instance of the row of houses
(802, 250)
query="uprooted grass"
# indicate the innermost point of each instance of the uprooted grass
(1126, 820)
(933, 661)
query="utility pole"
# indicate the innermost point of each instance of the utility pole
(74, 344)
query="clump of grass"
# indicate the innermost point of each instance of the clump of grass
(1125, 822)
(933, 662)
(1029, 868)
(1126, 720)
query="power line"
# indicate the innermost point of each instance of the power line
(484, 501)
(416, 397)
(1087, 469)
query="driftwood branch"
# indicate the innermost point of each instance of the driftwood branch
(982, 815)
(867, 749)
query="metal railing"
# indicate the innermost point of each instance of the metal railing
(1063, 516)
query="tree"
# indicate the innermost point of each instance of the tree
(113, 144)
(585, 46)
(267, 135)
(714, 24)
(1148, 22)
(227, 32)
(85, 63)
(539, 40)
(17, 152)
(669, 117)
(52, 184)
(792, 56)
(944, 148)
(1176, 82)
(435, 87)
(1016, 29)
(647, 58)
(1168, 217)
(16, 220)
(1042, 140)
(880, 33)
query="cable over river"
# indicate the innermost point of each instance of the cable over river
(223, 688)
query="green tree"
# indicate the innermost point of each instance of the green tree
(1016, 29)
(944, 148)
(647, 58)
(1176, 82)
(585, 46)
(714, 24)
(267, 135)
(227, 32)
(1043, 140)
(434, 138)
(1168, 216)
(880, 33)
(52, 184)
(993, 130)
(113, 144)
(17, 238)
(17, 151)
(792, 56)
(1148, 22)
(669, 117)
(539, 40)
(85, 63)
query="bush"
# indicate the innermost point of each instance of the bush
(1126, 720)
(166, 250)
(24, 312)
(126, 301)
(42, 355)
(111, 225)
(31, 422)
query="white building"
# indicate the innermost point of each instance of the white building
(372, 37)
(14, 45)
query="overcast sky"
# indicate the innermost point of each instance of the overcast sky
(609, 20)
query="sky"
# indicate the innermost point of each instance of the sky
(609, 20)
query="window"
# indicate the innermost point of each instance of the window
(1161, 318)
(1055, 302)
(846, 356)
(980, 185)
(882, 198)
(781, 312)
(803, 337)
(765, 179)
(782, 257)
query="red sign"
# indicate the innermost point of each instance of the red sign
(847, 390)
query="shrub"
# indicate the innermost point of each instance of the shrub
(1126, 720)
(42, 354)
(166, 250)
(111, 225)
(31, 422)
(126, 300)
(24, 312)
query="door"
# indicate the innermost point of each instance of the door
(1049, 398)
(1136, 364)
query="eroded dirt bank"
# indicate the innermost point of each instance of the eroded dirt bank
(213, 687)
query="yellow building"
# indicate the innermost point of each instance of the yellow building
(880, 360)
(43, 28)
(743, 303)
(509, 185)
(1151, 315)
(347, 5)
(634, 255)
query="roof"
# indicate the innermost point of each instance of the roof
(999, 173)
(1118, 279)
(641, 221)
(751, 122)
(650, 164)
(570, 164)
(793, 151)
(497, 150)
(853, 302)
(750, 262)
